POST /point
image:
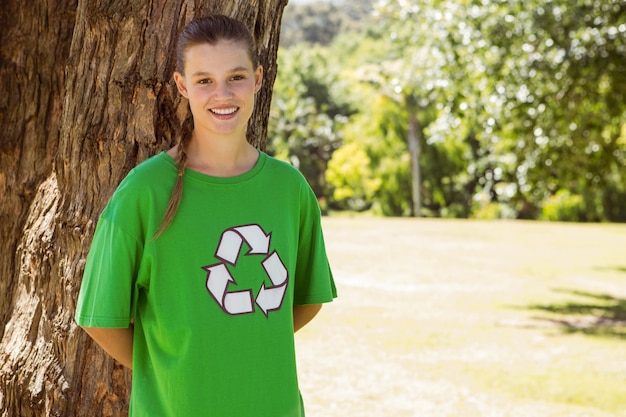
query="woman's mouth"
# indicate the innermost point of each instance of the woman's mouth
(225, 111)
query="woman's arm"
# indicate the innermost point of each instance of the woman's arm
(116, 342)
(303, 314)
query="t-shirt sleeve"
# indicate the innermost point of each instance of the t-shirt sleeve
(314, 279)
(107, 297)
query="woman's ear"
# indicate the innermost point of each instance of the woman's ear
(180, 84)
(258, 79)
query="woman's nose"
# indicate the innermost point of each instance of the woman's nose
(223, 91)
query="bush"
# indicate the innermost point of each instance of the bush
(351, 178)
(563, 206)
(483, 208)
(493, 211)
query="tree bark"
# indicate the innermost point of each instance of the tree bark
(88, 95)
(414, 138)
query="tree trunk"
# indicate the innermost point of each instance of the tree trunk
(88, 94)
(414, 138)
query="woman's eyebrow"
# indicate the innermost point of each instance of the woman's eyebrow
(204, 73)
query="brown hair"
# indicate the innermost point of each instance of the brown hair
(210, 29)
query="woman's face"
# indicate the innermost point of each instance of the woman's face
(220, 83)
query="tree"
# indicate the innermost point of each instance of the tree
(379, 131)
(413, 75)
(563, 88)
(88, 95)
(307, 113)
(320, 22)
(532, 90)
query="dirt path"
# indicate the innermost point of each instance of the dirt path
(435, 318)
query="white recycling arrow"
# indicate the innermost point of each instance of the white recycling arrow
(275, 269)
(217, 281)
(237, 302)
(232, 239)
(271, 299)
(229, 247)
(258, 241)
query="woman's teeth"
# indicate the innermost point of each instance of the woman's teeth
(230, 110)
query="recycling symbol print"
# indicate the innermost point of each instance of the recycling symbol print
(229, 251)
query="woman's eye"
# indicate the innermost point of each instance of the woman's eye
(204, 81)
(238, 77)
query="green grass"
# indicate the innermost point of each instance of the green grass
(469, 318)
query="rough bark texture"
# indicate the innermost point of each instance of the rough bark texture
(87, 94)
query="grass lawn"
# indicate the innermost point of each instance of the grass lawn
(469, 318)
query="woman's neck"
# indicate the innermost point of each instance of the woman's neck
(221, 157)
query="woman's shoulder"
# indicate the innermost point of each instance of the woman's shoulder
(153, 171)
(157, 166)
(152, 175)
(283, 167)
(289, 176)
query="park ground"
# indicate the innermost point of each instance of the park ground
(442, 318)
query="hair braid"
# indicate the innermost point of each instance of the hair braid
(177, 192)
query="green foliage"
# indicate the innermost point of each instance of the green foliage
(378, 129)
(563, 206)
(306, 116)
(539, 83)
(445, 180)
(352, 178)
(485, 208)
(516, 102)
(563, 93)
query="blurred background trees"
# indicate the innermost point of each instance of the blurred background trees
(464, 108)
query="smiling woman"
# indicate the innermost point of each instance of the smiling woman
(157, 293)
(221, 89)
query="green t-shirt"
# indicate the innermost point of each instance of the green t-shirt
(212, 297)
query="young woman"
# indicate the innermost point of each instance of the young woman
(210, 256)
